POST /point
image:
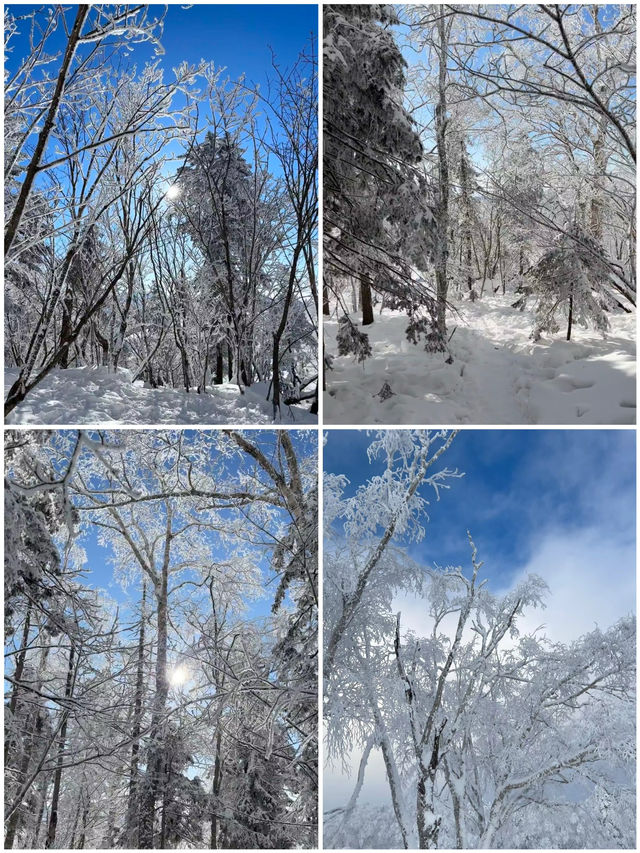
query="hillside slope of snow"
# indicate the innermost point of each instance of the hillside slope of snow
(97, 396)
(498, 375)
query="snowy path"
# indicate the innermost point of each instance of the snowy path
(499, 376)
(98, 397)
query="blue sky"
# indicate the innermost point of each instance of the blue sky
(237, 36)
(520, 486)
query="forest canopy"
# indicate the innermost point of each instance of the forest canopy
(455, 716)
(160, 220)
(161, 639)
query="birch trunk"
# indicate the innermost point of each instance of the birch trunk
(442, 209)
(155, 755)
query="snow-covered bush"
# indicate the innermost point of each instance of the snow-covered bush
(569, 281)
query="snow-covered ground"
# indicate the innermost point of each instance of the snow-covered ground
(100, 397)
(498, 375)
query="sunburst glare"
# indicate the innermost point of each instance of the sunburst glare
(178, 675)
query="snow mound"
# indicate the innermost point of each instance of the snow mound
(98, 396)
(498, 375)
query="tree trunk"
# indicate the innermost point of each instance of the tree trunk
(442, 208)
(32, 735)
(43, 802)
(17, 676)
(108, 838)
(277, 335)
(313, 409)
(229, 363)
(166, 773)
(467, 215)
(180, 323)
(76, 821)
(103, 343)
(427, 822)
(366, 301)
(245, 372)
(600, 153)
(156, 745)
(219, 366)
(85, 816)
(215, 790)
(458, 813)
(57, 779)
(202, 386)
(186, 371)
(66, 326)
(13, 823)
(124, 316)
(134, 780)
(393, 776)
(570, 322)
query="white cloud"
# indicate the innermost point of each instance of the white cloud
(591, 578)
(590, 572)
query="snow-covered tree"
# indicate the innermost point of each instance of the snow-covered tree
(377, 217)
(185, 714)
(483, 728)
(471, 148)
(571, 280)
(164, 230)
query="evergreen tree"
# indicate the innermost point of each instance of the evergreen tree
(32, 564)
(183, 798)
(377, 220)
(226, 216)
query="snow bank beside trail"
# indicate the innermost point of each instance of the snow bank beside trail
(97, 396)
(499, 376)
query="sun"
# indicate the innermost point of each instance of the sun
(178, 676)
(173, 192)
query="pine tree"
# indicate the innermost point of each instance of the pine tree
(377, 219)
